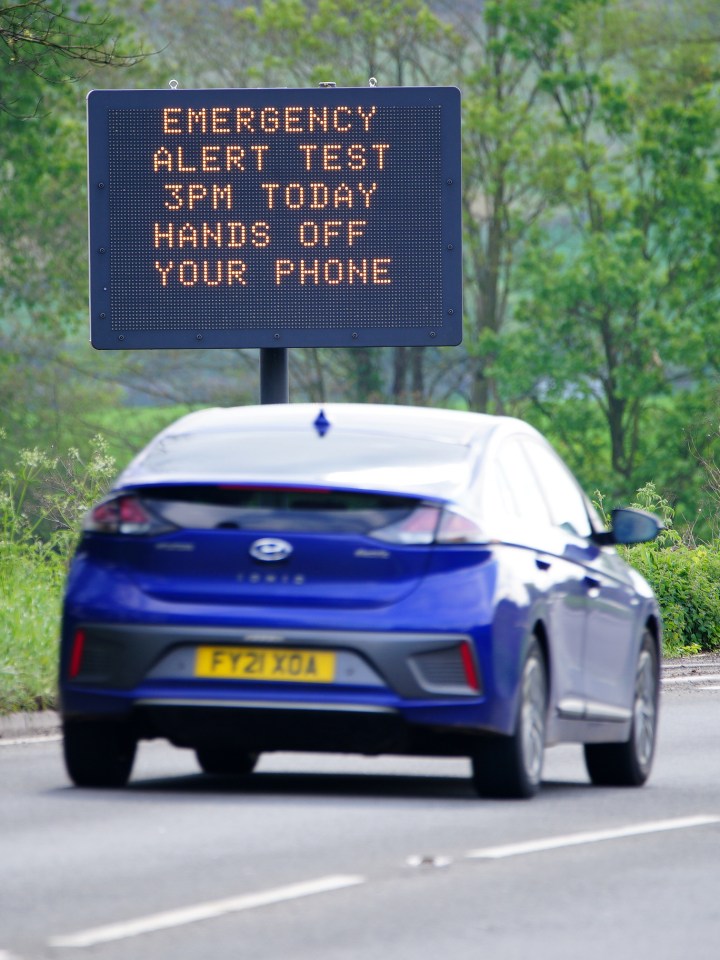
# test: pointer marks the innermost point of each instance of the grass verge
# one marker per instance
(31, 583)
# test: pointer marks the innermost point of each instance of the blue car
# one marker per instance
(357, 578)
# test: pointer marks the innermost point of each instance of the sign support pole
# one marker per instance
(274, 375)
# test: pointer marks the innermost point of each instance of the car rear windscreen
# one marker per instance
(277, 510)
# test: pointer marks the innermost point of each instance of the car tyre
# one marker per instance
(628, 764)
(98, 753)
(511, 767)
(223, 762)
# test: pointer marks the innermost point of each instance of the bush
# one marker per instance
(31, 579)
(42, 503)
(686, 580)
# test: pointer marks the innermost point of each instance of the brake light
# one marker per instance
(125, 514)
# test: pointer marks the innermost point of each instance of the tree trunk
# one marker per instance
(418, 375)
(400, 370)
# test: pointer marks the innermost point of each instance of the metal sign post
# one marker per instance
(274, 386)
(274, 219)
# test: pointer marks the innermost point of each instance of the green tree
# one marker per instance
(55, 44)
(620, 287)
(44, 48)
(514, 166)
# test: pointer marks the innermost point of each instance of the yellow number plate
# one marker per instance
(265, 663)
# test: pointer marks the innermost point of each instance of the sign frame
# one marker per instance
(432, 246)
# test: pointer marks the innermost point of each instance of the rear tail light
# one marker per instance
(417, 528)
(125, 514)
(428, 524)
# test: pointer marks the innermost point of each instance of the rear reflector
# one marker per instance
(468, 661)
(76, 654)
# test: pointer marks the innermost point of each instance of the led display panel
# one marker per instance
(275, 218)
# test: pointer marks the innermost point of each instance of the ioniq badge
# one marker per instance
(270, 549)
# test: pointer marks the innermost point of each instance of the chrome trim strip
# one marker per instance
(263, 705)
(607, 713)
(571, 708)
(574, 708)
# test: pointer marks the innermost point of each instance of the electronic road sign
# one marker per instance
(275, 217)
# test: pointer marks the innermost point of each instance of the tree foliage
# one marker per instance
(515, 162)
(619, 287)
(591, 139)
(45, 47)
(55, 43)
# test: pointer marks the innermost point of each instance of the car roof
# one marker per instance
(420, 451)
(453, 426)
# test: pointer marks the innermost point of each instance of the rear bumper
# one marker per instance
(413, 665)
(393, 685)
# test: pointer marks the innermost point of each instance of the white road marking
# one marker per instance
(202, 911)
(595, 836)
(49, 738)
(695, 678)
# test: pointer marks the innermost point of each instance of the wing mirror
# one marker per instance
(630, 526)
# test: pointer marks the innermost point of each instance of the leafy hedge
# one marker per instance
(685, 578)
(31, 583)
(687, 584)
(42, 502)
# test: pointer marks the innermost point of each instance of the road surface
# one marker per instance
(341, 858)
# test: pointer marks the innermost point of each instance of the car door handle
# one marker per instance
(593, 586)
(542, 564)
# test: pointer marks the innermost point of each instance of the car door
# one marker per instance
(555, 581)
(610, 627)
(612, 640)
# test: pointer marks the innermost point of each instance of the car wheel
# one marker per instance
(226, 763)
(511, 767)
(98, 753)
(628, 764)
